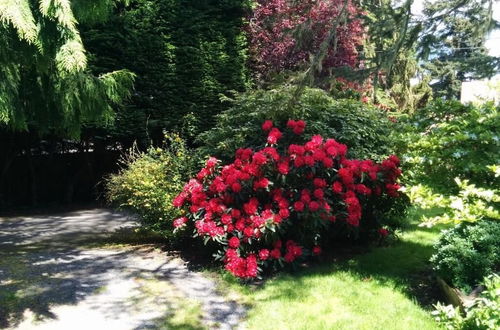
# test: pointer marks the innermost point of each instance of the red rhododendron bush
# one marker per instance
(281, 202)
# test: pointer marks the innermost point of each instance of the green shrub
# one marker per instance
(448, 140)
(467, 253)
(483, 313)
(472, 204)
(149, 181)
(288, 199)
(363, 128)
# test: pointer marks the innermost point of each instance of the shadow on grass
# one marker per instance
(403, 266)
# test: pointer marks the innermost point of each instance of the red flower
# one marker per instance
(179, 200)
(337, 187)
(299, 127)
(332, 151)
(226, 219)
(296, 126)
(309, 160)
(291, 124)
(299, 206)
(275, 254)
(392, 189)
(261, 183)
(248, 231)
(319, 183)
(267, 125)
(316, 250)
(305, 196)
(293, 251)
(236, 187)
(274, 135)
(240, 225)
(283, 167)
(180, 222)
(298, 161)
(362, 189)
(251, 207)
(284, 213)
(211, 162)
(394, 159)
(383, 232)
(346, 175)
(295, 149)
(235, 213)
(259, 158)
(264, 254)
(244, 154)
(313, 206)
(234, 242)
(328, 162)
(319, 193)
(272, 152)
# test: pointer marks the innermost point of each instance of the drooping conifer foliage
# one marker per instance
(45, 83)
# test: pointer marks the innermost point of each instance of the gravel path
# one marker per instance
(48, 281)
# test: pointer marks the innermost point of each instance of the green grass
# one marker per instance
(375, 290)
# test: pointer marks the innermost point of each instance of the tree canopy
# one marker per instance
(45, 81)
(453, 45)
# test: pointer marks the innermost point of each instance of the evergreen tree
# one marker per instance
(389, 51)
(186, 54)
(45, 82)
(453, 45)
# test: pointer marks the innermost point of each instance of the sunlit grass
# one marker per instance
(368, 291)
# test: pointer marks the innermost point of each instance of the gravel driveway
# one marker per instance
(50, 280)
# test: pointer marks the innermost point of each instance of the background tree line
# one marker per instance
(81, 81)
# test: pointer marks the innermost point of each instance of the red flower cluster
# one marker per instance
(246, 203)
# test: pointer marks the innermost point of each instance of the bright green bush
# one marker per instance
(472, 204)
(467, 253)
(149, 181)
(483, 313)
(363, 128)
(448, 140)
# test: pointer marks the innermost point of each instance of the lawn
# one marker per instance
(375, 290)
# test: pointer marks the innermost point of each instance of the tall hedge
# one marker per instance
(185, 53)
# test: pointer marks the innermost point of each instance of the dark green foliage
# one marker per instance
(446, 140)
(467, 253)
(364, 129)
(185, 55)
(149, 181)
